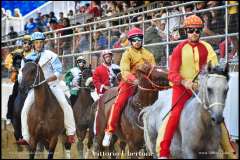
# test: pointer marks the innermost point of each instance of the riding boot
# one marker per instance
(227, 147)
(11, 100)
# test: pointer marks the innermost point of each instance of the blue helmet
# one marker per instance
(37, 36)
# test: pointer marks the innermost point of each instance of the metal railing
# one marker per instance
(167, 43)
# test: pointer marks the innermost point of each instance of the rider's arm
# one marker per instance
(96, 79)
(57, 68)
(176, 61)
(125, 68)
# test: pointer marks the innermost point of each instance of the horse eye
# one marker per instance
(209, 90)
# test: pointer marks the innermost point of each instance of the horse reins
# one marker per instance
(207, 107)
(154, 85)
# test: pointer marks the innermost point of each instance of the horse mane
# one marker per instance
(220, 70)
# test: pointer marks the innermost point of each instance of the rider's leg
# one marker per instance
(11, 100)
(124, 93)
(69, 121)
(73, 99)
(174, 118)
(227, 147)
(24, 114)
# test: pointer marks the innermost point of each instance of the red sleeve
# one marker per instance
(96, 79)
(174, 68)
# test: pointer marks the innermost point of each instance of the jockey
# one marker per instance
(187, 60)
(131, 59)
(105, 74)
(74, 76)
(13, 63)
(52, 69)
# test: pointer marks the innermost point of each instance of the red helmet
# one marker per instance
(193, 21)
(134, 32)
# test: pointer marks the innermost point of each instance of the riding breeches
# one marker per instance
(170, 123)
(69, 121)
(125, 91)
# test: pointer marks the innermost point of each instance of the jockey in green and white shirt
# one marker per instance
(75, 77)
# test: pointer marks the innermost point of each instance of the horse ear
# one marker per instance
(226, 68)
(209, 66)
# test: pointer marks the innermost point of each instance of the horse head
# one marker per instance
(213, 90)
(152, 77)
(32, 76)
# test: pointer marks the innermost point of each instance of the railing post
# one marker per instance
(226, 31)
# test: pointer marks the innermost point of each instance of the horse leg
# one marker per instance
(80, 145)
(97, 146)
(89, 144)
(112, 150)
(32, 147)
(52, 146)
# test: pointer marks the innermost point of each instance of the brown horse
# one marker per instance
(84, 113)
(151, 80)
(45, 118)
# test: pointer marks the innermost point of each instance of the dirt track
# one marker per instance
(9, 148)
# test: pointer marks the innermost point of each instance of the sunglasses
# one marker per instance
(81, 61)
(135, 39)
(26, 43)
(196, 30)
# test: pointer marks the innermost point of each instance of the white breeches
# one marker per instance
(69, 121)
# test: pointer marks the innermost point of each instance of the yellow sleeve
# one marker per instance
(125, 65)
(8, 61)
(212, 56)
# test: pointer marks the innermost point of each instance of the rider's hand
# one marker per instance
(136, 82)
(74, 83)
(188, 84)
(106, 87)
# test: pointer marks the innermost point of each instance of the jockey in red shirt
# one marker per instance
(131, 59)
(186, 61)
(106, 73)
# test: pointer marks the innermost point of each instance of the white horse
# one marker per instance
(199, 132)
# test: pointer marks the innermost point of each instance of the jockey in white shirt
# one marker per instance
(52, 68)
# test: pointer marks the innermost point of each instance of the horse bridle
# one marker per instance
(154, 85)
(35, 79)
(208, 107)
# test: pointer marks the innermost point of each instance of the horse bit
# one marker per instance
(206, 95)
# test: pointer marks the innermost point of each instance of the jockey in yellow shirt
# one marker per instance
(187, 60)
(131, 58)
(13, 63)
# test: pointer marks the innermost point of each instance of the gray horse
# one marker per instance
(198, 134)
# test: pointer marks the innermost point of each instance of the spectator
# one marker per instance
(61, 17)
(8, 13)
(82, 41)
(70, 14)
(122, 42)
(101, 41)
(17, 13)
(52, 16)
(39, 25)
(45, 19)
(152, 35)
(3, 13)
(11, 35)
(214, 23)
(30, 26)
(199, 6)
(115, 34)
(66, 43)
(39, 15)
(94, 9)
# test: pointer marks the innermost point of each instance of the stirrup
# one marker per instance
(107, 139)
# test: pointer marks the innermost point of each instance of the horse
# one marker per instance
(45, 117)
(84, 112)
(198, 134)
(151, 79)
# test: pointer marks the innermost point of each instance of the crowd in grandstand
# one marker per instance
(156, 31)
